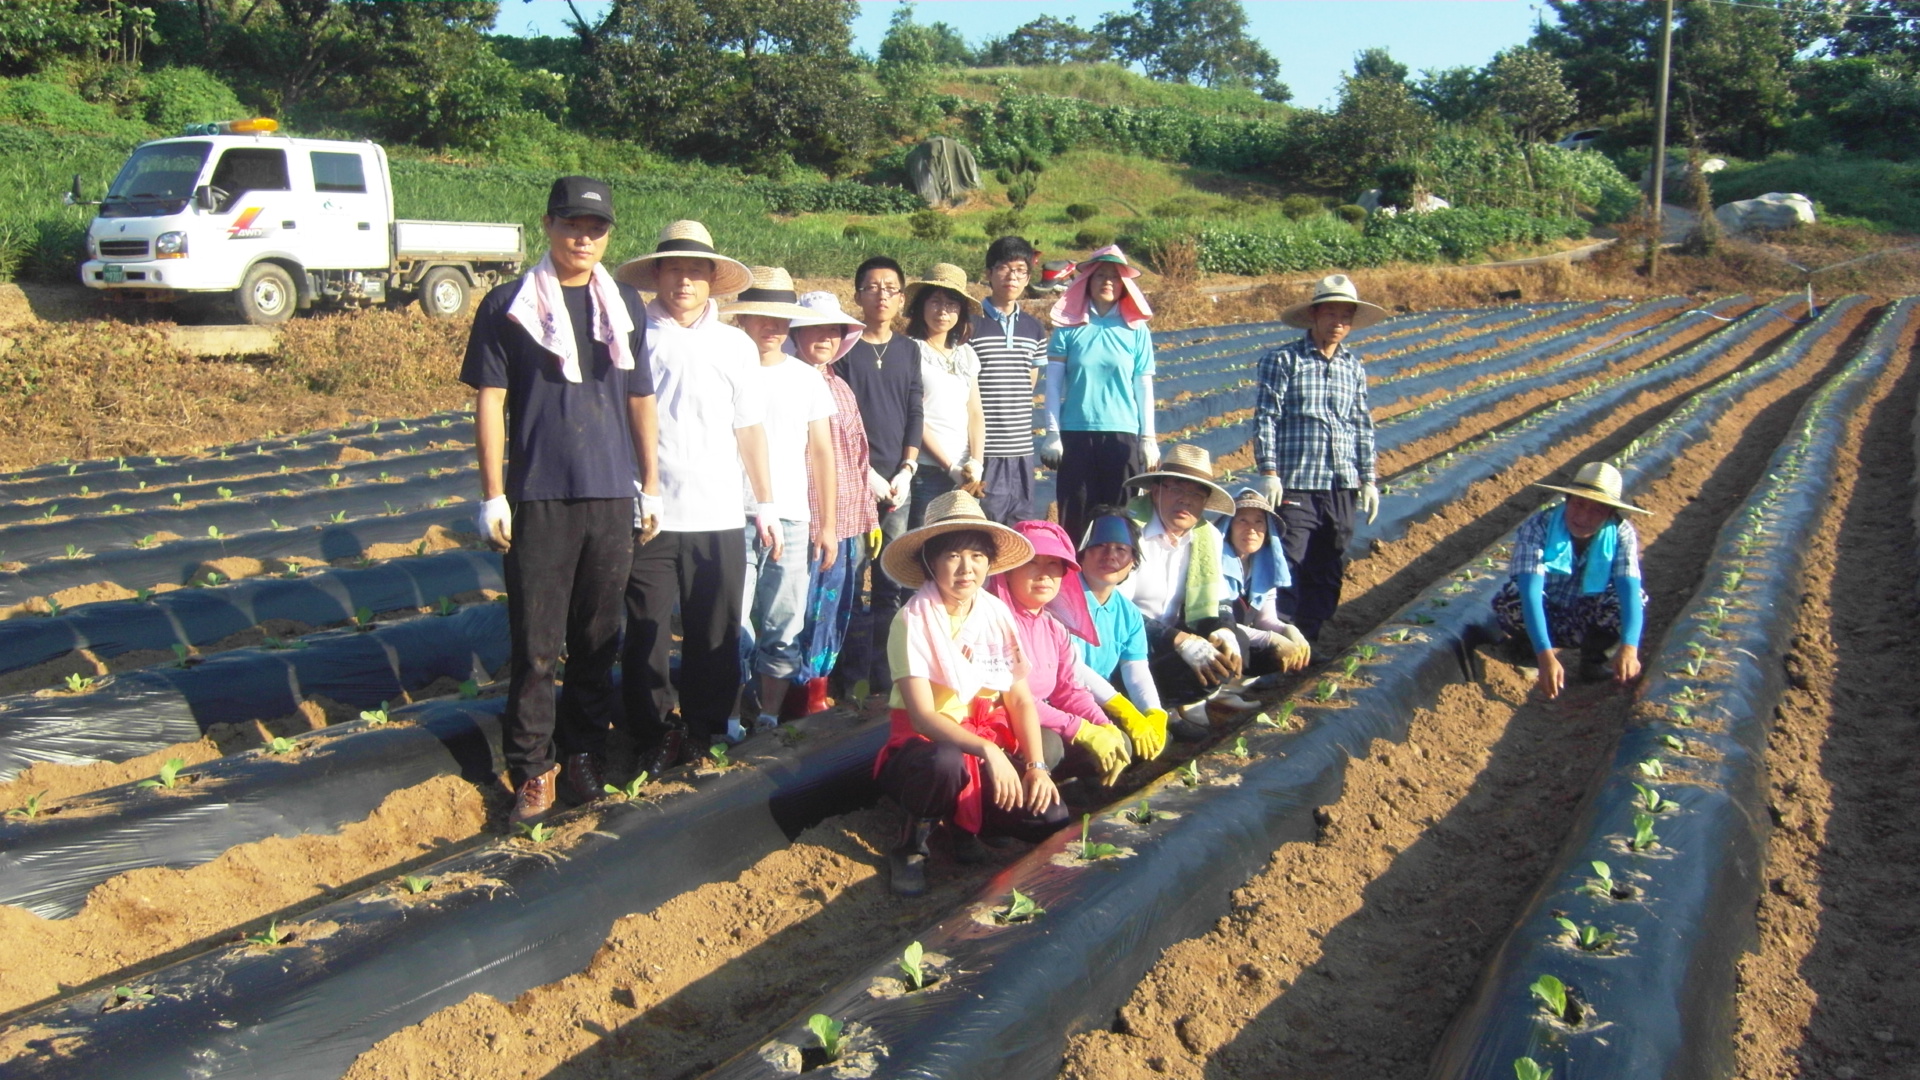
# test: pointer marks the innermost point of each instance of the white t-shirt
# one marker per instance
(796, 395)
(706, 378)
(1158, 586)
(946, 385)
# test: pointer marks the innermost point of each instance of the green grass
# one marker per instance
(1885, 193)
(1108, 84)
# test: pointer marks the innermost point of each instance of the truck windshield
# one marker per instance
(157, 179)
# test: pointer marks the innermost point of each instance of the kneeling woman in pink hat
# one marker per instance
(966, 742)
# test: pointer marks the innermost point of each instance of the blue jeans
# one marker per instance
(775, 607)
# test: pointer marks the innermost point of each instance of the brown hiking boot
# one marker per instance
(534, 798)
(580, 780)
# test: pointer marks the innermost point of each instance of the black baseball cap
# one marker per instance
(574, 196)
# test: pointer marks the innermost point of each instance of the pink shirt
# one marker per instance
(1061, 702)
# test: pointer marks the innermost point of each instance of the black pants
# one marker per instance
(925, 777)
(1177, 683)
(704, 573)
(1094, 466)
(864, 653)
(563, 577)
(1316, 527)
(1009, 483)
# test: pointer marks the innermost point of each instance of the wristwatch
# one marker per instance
(1041, 765)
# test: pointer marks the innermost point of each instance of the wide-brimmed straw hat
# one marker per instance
(943, 276)
(1334, 289)
(823, 309)
(686, 240)
(1188, 462)
(954, 511)
(1600, 482)
(771, 295)
(1249, 499)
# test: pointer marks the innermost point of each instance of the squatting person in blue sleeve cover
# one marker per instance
(1575, 583)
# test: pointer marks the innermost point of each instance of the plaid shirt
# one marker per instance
(1563, 590)
(853, 508)
(1311, 421)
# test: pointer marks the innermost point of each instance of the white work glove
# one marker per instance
(1197, 651)
(1150, 449)
(495, 519)
(767, 522)
(1051, 450)
(1293, 648)
(966, 472)
(1271, 490)
(1370, 500)
(902, 485)
(878, 487)
(1224, 640)
(646, 514)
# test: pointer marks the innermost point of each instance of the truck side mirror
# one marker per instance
(203, 197)
(73, 195)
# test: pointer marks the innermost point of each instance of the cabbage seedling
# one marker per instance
(445, 605)
(224, 492)
(630, 791)
(1674, 743)
(1552, 993)
(54, 607)
(1240, 747)
(1368, 652)
(1420, 618)
(281, 745)
(333, 480)
(718, 752)
(146, 541)
(827, 1030)
(911, 961)
(75, 551)
(469, 689)
(1653, 800)
(49, 513)
(176, 498)
(339, 517)
(127, 995)
(78, 683)
(1139, 815)
(1652, 767)
(1326, 690)
(363, 618)
(1089, 850)
(269, 937)
(538, 832)
(375, 717)
(1602, 884)
(31, 809)
(1352, 665)
(1589, 937)
(1681, 715)
(1020, 909)
(169, 775)
(1528, 1069)
(417, 884)
(1190, 773)
(1644, 838)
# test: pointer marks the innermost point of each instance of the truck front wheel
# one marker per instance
(443, 293)
(266, 296)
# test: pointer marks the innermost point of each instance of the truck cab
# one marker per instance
(274, 224)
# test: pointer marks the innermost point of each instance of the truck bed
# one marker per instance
(440, 239)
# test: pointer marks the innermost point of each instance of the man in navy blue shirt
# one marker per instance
(566, 430)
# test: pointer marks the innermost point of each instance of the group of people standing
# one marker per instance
(804, 503)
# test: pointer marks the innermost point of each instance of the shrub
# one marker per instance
(857, 231)
(1048, 125)
(1181, 206)
(930, 224)
(1004, 222)
(172, 97)
(1095, 237)
(1078, 212)
(1298, 206)
(1458, 235)
(1351, 214)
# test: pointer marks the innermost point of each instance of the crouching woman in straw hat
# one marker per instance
(965, 743)
(1257, 574)
(1575, 582)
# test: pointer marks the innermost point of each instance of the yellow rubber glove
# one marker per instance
(1108, 747)
(1147, 730)
(874, 537)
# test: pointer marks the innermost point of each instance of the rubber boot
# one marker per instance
(907, 863)
(818, 700)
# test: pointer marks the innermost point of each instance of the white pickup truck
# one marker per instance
(234, 212)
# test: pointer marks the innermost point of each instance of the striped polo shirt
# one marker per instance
(1011, 347)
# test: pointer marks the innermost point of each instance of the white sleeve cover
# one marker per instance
(1092, 683)
(1144, 388)
(1056, 388)
(1139, 682)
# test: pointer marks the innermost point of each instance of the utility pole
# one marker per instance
(1660, 142)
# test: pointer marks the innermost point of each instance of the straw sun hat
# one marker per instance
(1334, 289)
(954, 511)
(686, 240)
(943, 276)
(1599, 482)
(771, 294)
(1188, 462)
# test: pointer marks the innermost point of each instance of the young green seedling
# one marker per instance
(1644, 838)
(169, 775)
(445, 605)
(1652, 767)
(49, 513)
(1189, 773)
(224, 492)
(54, 607)
(1326, 690)
(1089, 850)
(1653, 800)
(363, 618)
(333, 480)
(630, 791)
(417, 883)
(215, 577)
(177, 497)
(789, 735)
(1240, 747)
(1422, 619)
(469, 689)
(1589, 937)
(127, 995)
(1553, 994)
(146, 541)
(78, 683)
(718, 753)
(30, 810)
(1368, 652)
(827, 1030)
(1020, 909)
(1602, 884)
(911, 961)
(339, 517)
(1528, 1069)
(214, 533)
(537, 832)
(1681, 714)
(75, 551)
(269, 937)
(1674, 743)
(1352, 665)
(375, 717)
(281, 745)
(144, 596)
(1140, 815)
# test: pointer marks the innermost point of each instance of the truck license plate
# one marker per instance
(115, 274)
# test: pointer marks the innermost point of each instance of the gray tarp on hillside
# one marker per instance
(943, 170)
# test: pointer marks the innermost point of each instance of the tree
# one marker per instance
(34, 33)
(1376, 124)
(1195, 41)
(909, 42)
(1377, 63)
(1608, 52)
(759, 82)
(1880, 28)
(1525, 88)
(1453, 95)
(1047, 40)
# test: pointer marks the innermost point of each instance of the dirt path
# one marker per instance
(1348, 957)
(1835, 989)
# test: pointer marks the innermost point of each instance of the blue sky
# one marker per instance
(1314, 40)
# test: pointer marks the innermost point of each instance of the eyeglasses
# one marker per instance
(1011, 269)
(881, 291)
